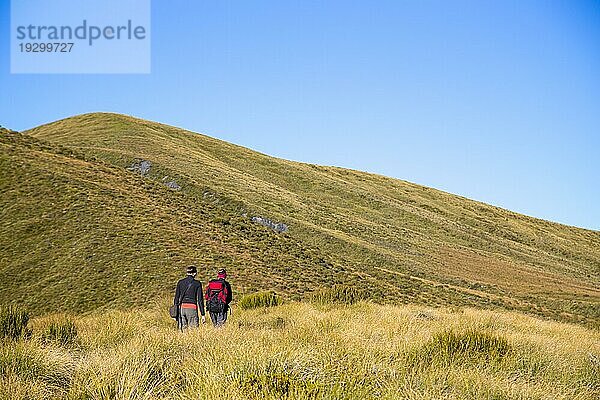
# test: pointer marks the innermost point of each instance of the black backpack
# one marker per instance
(216, 296)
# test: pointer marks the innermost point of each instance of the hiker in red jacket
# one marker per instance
(188, 296)
(218, 296)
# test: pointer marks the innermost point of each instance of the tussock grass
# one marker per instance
(338, 294)
(260, 299)
(449, 347)
(29, 363)
(363, 350)
(60, 330)
(13, 322)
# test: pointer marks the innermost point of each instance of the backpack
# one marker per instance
(216, 296)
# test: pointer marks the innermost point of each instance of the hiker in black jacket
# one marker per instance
(188, 296)
(218, 296)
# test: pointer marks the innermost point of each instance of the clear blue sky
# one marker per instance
(496, 101)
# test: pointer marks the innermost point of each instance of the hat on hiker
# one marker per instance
(191, 270)
(222, 273)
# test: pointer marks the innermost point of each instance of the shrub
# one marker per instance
(13, 323)
(260, 299)
(338, 294)
(61, 331)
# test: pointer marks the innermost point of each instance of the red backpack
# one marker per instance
(216, 296)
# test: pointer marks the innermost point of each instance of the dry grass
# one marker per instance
(303, 351)
(513, 277)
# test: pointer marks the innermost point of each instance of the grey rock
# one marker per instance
(278, 227)
(425, 316)
(170, 183)
(173, 185)
(140, 166)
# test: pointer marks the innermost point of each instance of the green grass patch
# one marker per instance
(260, 299)
(449, 346)
(13, 323)
(338, 295)
(61, 331)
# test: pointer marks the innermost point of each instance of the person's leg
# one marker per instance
(213, 318)
(193, 320)
(184, 318)
(180, 320)
(221, 318)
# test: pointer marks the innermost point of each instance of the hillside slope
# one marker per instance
(402, 241)
(77, 234)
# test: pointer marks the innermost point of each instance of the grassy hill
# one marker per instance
(81, 228)
(78, 234)
(303, 351)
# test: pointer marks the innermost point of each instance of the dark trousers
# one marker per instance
(218, 319)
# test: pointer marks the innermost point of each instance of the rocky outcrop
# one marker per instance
(278, 227)
(140, 166)
(172, 185)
